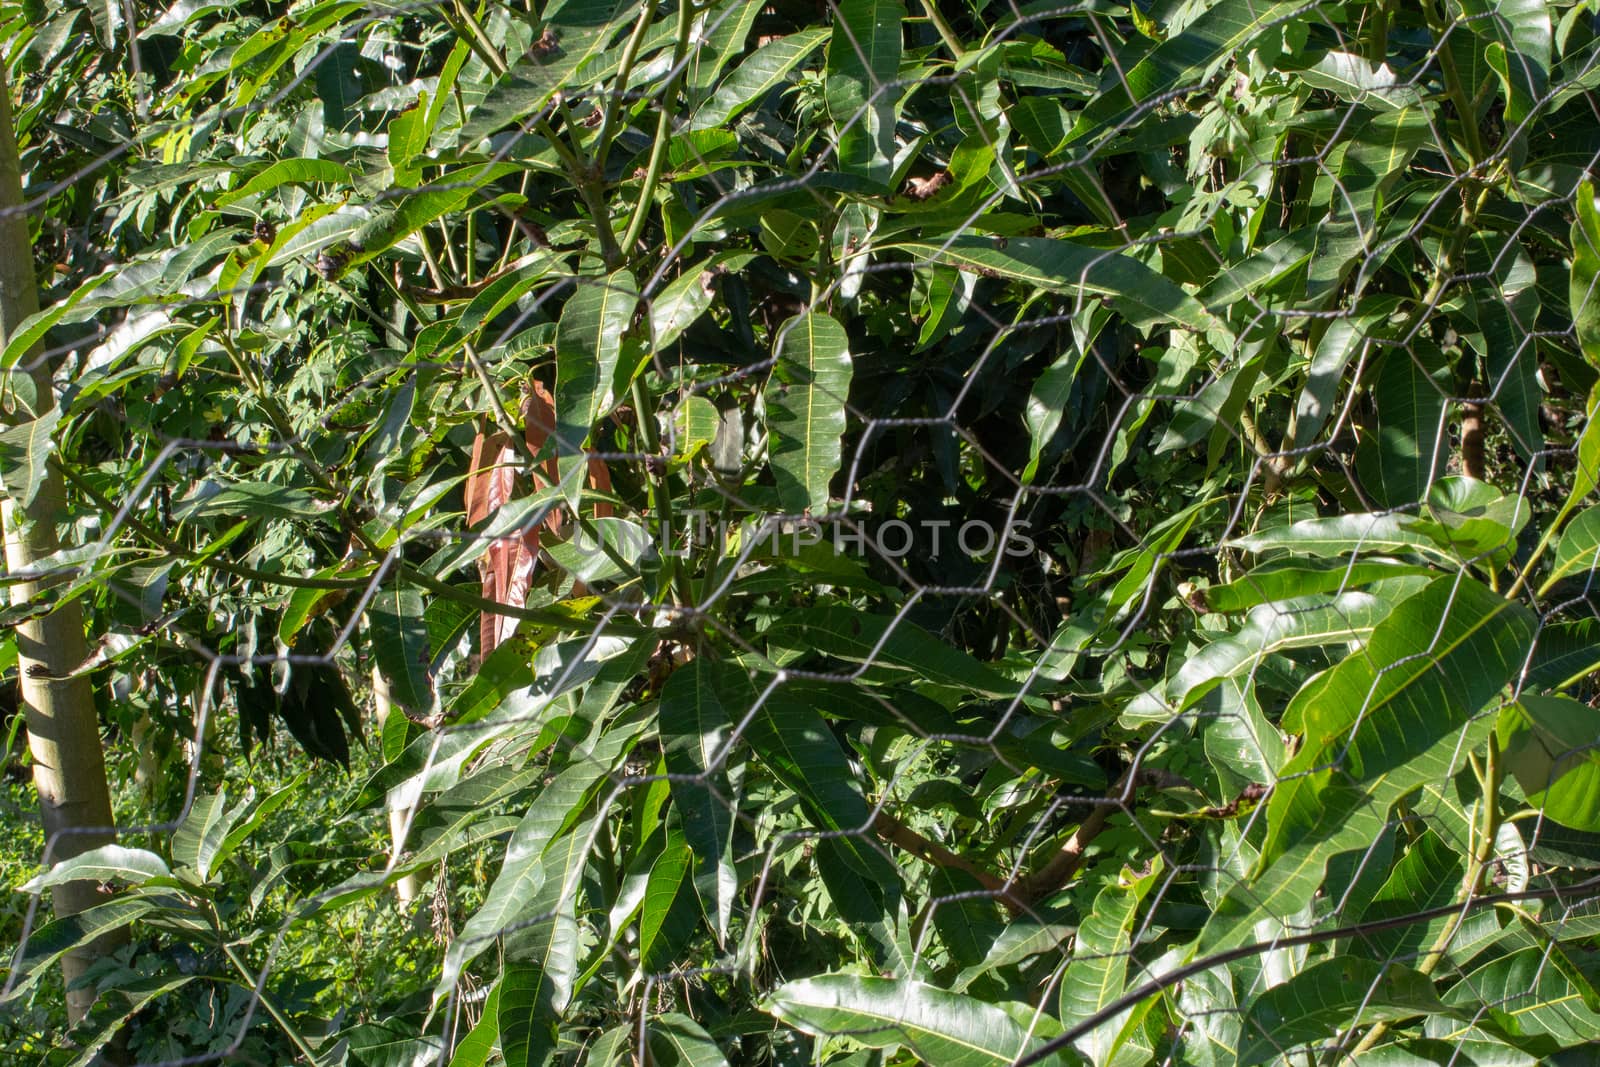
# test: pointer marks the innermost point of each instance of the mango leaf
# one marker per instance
(200, 835)
(1427, 876)
(1047, 403)
(108, 863)
(1312, 1006)
(805, 403)
(949, 1029)
(111, 1012)
(678, 1041)
(1395, 715)
(1578, 550)
(1146, 298)
(1281, 579)
(1298, 622)
(1518, 47)
(1182, 61)
(1342, 535)
(48, 943)
(765, 69)
(669, 911)
(288, 172)
(579, 31)
(475, 1049)
(881, 642)
(25, 451)
(588, 346)
(1584, 289)
(794, 741)
(1531, 993)
(400, 646)
(686, 298)
(1552, 746)
(1565, 653)
(536, 984)
(1344, 340)
(696, 728)
(1402, 455)
(521, 889)
(1098, 970)
(863, 61)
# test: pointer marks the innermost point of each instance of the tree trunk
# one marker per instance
(63, 727)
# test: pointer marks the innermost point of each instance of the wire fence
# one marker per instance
(1088, 340)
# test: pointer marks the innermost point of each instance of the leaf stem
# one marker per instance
(630, 53)
(658, 150)
(1452, 83)
(258, 987)
(946, 34)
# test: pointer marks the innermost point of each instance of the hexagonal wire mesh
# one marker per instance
(1207, 347)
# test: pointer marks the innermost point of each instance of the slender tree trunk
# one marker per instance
(63, 727)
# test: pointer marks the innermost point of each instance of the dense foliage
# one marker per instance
(986, 509)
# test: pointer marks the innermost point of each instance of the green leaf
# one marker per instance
(579, 30)
(688, 296)
(1299, 622)
(1565, 653)
(1531, 993)
(288, 172)
(1578, 550)
(1427, 876)
(678, 1041)
(588, 346)
(1584, 289)
(1341, 535)
(200, 835)
(50, 942)
(948, 1029)
(256, 500)
(1315, 1004)
(111, 1012)
(1550, 745)
(542, 958)
(696, 730)
(1518, 49)
(400, 646)
(794, 741)
(1384, 721)
(522, 885)
(863, 62)
(728, 25)
(1345, 340)
(805, 403)
(666, 892)
(25, 451)
(1183, 61)
(895, 644)
(1407, 449)
(1281, 579)
(239, 832)
(1047, 403)
(1355, 79)
(1146, 298)
(765, 69)
(1098, 970)
(108, 863)
(475, 1049)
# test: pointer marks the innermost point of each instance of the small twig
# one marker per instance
(898, 833)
